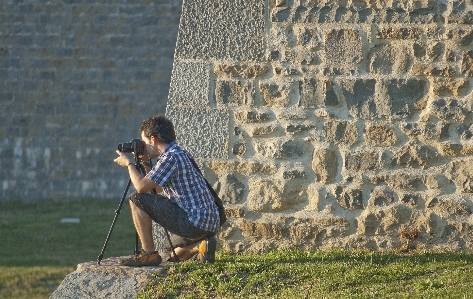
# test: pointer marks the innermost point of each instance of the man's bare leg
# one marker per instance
(186, 252)
(143, 226)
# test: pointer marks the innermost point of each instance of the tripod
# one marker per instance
(141, 169)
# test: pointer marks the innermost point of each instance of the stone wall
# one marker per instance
(77, 77)
(331, 123)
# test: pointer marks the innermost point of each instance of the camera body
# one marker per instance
(135, 146)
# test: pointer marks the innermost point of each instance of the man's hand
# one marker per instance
(145, 156)
(122, 159)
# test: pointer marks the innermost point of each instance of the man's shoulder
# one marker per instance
(176, 153)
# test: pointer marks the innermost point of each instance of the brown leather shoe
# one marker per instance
(142, 259)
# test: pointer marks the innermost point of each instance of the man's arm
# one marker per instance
(141, 183)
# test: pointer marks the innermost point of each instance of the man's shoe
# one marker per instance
(207, 250)
(142, 259)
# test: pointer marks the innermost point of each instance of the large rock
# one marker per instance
(105, 281)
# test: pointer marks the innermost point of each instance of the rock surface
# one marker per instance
(108, 280)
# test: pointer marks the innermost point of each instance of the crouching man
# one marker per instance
(187, 208)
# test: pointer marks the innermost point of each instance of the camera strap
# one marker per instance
(218, 201)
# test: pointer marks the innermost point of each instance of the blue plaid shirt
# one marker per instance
(186, 187)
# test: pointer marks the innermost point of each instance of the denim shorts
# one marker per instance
(171, 217)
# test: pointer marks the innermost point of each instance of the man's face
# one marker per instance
(151, 146)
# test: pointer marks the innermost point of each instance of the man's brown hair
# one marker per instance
(160, 127)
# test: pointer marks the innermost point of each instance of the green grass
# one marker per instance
(37, 251)
(335, 274)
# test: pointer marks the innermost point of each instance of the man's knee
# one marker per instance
(133, 197)
(136, 199)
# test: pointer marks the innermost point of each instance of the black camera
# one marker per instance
(135, 146)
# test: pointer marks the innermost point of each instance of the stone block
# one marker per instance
(450, 207)
(401, 95)
(390, 60)
(444, 87)
(230, 189)
(435, 131)
(381, 196)
(203, 132)
(325, 165)
(294, 128)
(223, 31)
(260, 229)
(461, 173)
(360, 96)
(415, 154)
(341, 132)
(405, 181)
(246, 71)
(449, 109)
(262, 130)
(350, 198)
(412, 200)
(315, 195)
(317, 93)
(304, 58)
(309, 38)
(388, 98)
(280, 14)
(195, 92)
(450, 149)
(273, 196)
(247, 168)
(278, 94)
(368, 224)
(464, 131)
(281, 148)
(420, 69)
(363, 161)
(462, 36)
(435, 51)
(399, 33)
(234, 213)
(302, 232)
(378, 136)
(250, 116)
(239, 148)
(228, 93)
(467, 63)
(462, 12)
(343, 47)
(292, 113)
(293, 172)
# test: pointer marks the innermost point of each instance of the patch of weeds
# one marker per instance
(317, 274)
(429, 284)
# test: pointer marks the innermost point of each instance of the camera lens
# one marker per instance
(126, 147)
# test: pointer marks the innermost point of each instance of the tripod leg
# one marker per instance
(117, 212)
(137, 238)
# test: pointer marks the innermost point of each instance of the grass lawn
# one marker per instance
(38, 251)
(335, 274)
